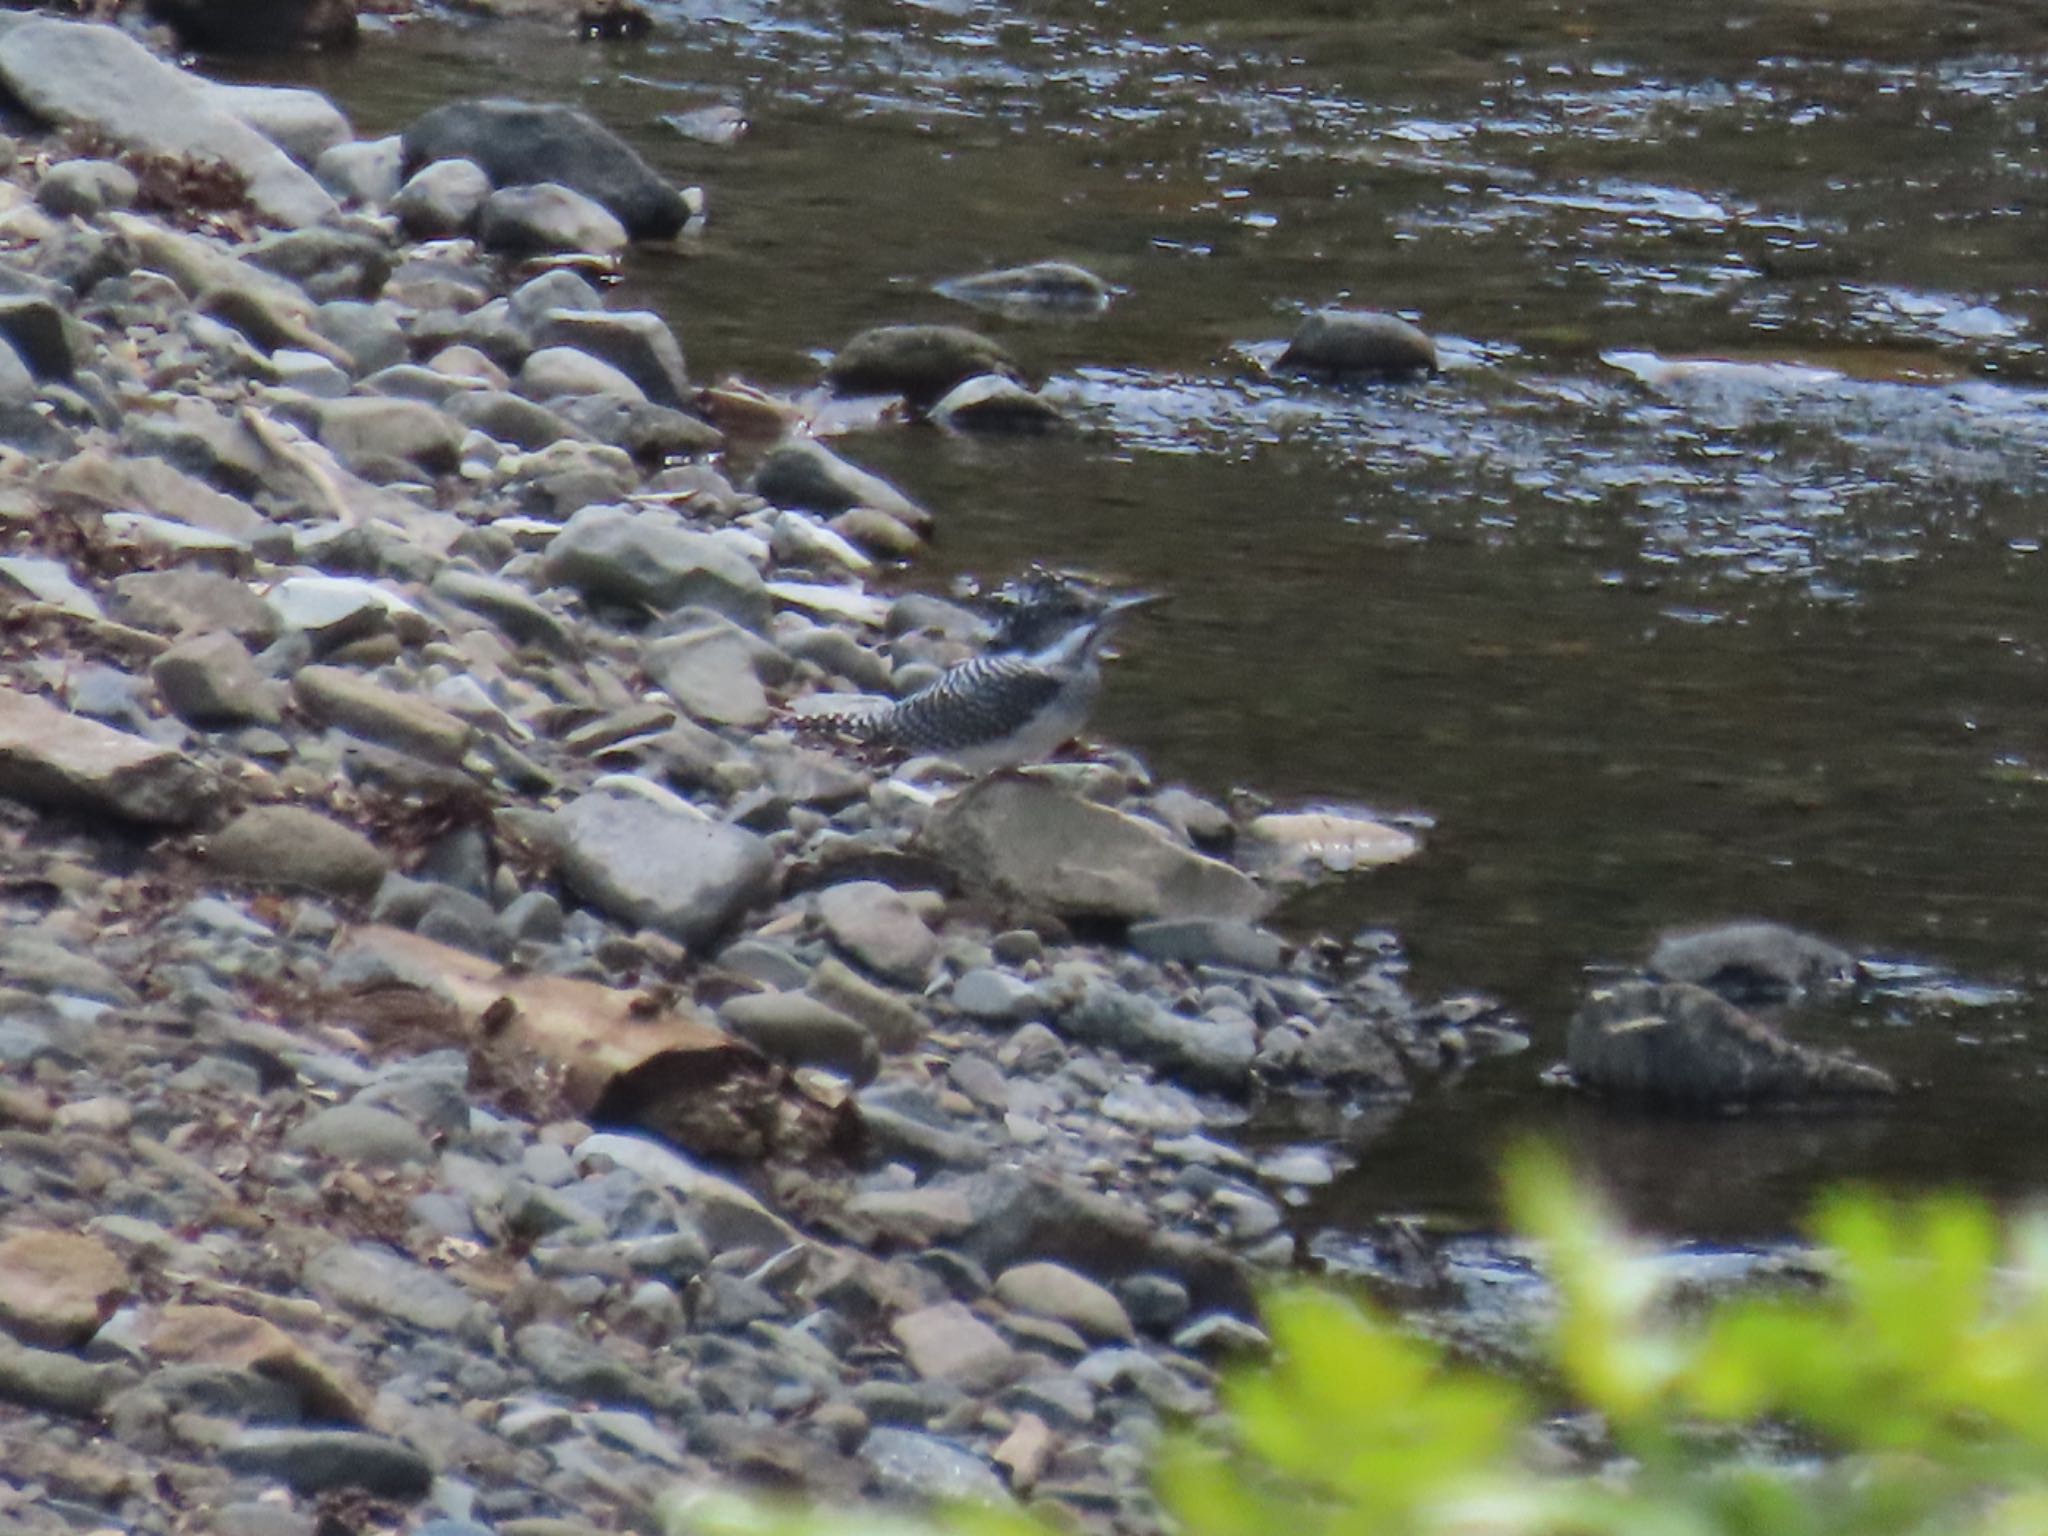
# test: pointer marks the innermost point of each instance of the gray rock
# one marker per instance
(373, 1280)
(84, 188)
(75, 75)
(41, 335)
(654, 558)
(1218, 1336)
(1680, 1044)
(285, 845)
(638, 343)
(364, 173)
(713, 669)
(209, 680)
(1154, 1303)
(1209, 941)
(304, 124)
(314, 1461)
(366, 427)
(518, 143)
(662, 868)
(800, 1030)
(652, 434)
(875, 926)
(991, 403)
(362, 1133)
(1207, 1051)
(57, 1382)
(63, 762)
(948, 1343)
(369, 333)
(506, 604)
(920, 362)
(1127, 1369)
(996, 996)
(1359, 342)
(546, 218)
(404, 721)
(1751, 963)
(1053, 1290)
(890, 1018)
(810, 477)
(174, 602)
(1042, 288)
(575, 1367)
(1027, 839)
(508, 418)
(441, 199)
(563, 373)
(909, 1466)
(725, 1213)
(538, 297)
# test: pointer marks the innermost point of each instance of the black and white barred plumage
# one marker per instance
(996, 710)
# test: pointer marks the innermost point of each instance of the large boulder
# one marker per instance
(72, 74)
(1029, 840)
(1674, 1043)
(519, 143)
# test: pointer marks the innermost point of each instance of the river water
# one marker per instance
(1706, 581)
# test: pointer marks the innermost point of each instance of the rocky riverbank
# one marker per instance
(466, 1063)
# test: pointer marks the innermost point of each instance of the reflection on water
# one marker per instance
(1704, 581)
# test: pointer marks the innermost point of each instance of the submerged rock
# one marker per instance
(1359, 342)
(988, 402)
(1750, 963)
(1043, 287)
(1679, 1044)
(919, 362)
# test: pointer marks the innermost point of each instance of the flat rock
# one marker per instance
(1210, 941)
(77, 75)
(211, 680)
(727, 1215)
(336, 696)
(222, 1336)
(1034, 843)
(1053, 1290)
(362, 427)
(872, 924)
(1303, 845)
(1359, 342)
(654, 558)
(800, 1030)
(949, 1343)
(547, 218)
(60, 761)
(709, 668)
(518, 143)
(286, 845)
(380, 1283)
(661, 868)
(920, 362)
(362, 1133)
(56, 1288)
(1750, 963)
(1680, 1044)
(315, 1461)
(177, 601)
(809, 477)
(638, 343)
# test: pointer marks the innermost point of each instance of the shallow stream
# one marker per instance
(1705, 581)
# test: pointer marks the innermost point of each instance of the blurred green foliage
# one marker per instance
(1906, 1396)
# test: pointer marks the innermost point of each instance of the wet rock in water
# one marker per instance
(919, 362)
(441, 199)
(56, 1288)
(1301, 845)
(313, 1461)
(1033, 842)
(545, 218)
(1359, 342)
(1043, 287)
(1752, 963)
(284, 845)
(63, 762)
(654, 558)
(78, 75)
(1680, 1044)
(991, 403)
(809, 477)
(661, 867)
(258, 26)
(519, 143)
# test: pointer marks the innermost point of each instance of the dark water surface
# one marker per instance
(1654, 640)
